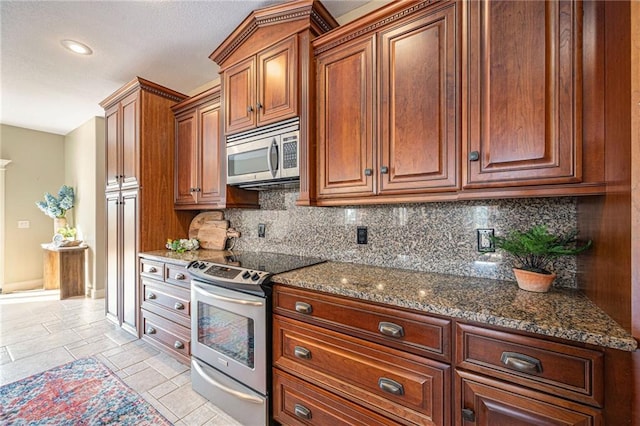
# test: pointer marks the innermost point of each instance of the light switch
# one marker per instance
(23, 224)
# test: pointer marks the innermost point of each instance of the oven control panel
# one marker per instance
(214, 272)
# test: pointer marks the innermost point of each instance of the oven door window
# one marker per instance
(227, 333)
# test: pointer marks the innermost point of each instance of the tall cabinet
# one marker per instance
(138, 188)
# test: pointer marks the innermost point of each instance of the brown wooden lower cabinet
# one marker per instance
(482, 401)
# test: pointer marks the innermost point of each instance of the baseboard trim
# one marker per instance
(22, 286)
(97, 294)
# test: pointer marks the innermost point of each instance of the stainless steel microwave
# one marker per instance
(265, 157)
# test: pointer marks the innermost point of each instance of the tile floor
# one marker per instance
(38, 332)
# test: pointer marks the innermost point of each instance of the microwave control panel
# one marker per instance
(290, 152)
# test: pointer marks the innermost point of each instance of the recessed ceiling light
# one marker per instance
(77, 47)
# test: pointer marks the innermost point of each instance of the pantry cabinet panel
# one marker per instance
(418, 104)
(522, 68)
(130, 146)
(129, 225)
(240, 96)
(112, 165)
(345, 122)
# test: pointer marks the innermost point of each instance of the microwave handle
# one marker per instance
(273, 168)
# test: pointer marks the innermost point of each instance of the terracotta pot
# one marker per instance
(533, 281)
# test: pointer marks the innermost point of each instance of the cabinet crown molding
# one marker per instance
(210, 95)
(311, 10)
(140, 83)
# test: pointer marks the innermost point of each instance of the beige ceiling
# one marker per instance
(45, 87)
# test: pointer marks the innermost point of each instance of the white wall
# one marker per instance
(84, 171)
(37, 165)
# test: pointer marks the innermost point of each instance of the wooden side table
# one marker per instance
(64, 269)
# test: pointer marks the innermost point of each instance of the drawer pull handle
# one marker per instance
(178, 344)
(390, 386)
(151, 330)
(153, 269)
(302, 412)
(303, 308)
(151, 296)
(390, 329)
(302, 353)
(520, 362)
(179, 306)
(180, 276)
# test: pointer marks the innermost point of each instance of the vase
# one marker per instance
(533, 281)
(59, 222)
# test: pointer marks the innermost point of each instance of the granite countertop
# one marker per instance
(562, 313)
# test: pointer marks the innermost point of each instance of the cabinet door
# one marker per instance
(487, 404)
(113, 148)
(346, 120)
(186, 159)
(278, 82)
(418, 146)
(240, 96)
(211, 184)
(130, 139)
(522, 116)
(129, 227)
(112, 294)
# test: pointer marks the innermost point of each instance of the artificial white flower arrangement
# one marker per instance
(183, 245)
(57, 207)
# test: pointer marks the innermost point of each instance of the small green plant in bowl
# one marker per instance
(535, 250)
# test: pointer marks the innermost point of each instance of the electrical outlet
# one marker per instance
(261, 230)
(23, 224)
(485, 241)
(362, 234)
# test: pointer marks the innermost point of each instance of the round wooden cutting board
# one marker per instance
(210, 229)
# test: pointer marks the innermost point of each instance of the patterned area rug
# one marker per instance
(82, 392)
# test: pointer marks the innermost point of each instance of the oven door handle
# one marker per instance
(250, 398)
(206, 293)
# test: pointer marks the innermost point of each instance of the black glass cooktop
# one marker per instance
(273, 263)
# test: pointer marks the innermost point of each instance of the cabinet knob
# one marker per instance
(249, 108)
(368, 172)
(180, 276)
(302, 411)
(384, 170)
(521, 362)
(474, 156)
(303, 308)
(390, 386)
(259, 105)
(192, 190)
(151, 330)
(151, 296)
(178, 344)
(302, 353)
(178, 306)
(153, 269)
(468, 415)
(390, 329)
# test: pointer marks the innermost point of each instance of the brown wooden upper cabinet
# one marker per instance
(267, 73)
(122, 140)
(522, 107)
(200, 173)
(262, 89)
(387, 105)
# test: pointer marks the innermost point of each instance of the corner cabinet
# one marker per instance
(522, 110)
(139, 182)
(267, 75)
(200, 173)
(387, 105)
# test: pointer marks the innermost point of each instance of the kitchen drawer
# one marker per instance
(178, 275)
(296, 402)
(166, 335)
(406, 387)
(408, 331)
(167, 300)
(484, 401)
(152, 268)
(568, 371)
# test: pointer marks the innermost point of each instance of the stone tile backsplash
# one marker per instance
(432, 237)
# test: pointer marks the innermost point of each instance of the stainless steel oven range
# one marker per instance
(231, 330)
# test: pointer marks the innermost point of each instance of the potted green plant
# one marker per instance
(535, 251)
